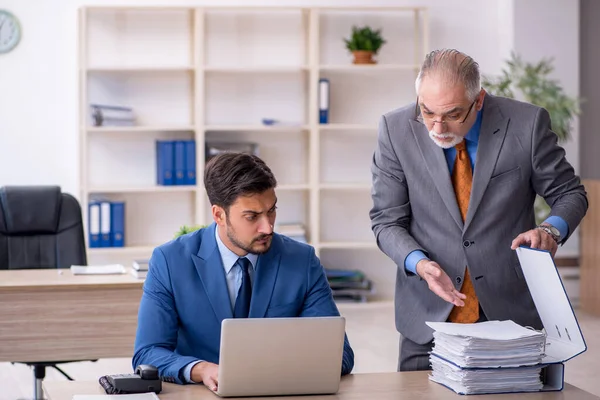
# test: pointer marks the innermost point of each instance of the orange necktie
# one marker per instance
(462, 178)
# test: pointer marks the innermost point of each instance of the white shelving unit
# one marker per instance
(213, 74)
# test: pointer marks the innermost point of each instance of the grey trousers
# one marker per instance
(415, 357)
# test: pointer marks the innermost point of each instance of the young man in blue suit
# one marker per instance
(235, 268)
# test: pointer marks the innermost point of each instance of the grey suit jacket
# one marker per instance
(414, 207)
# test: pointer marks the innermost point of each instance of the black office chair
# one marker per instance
(40, 227)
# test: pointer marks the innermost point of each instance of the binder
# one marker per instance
(179, 147)
(164, 162)
(190, 163)
(105, 230)
(564, 339)
(94, 224)
(323, 101)
(117, 223)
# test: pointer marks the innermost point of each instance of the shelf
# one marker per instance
(348, 245)
(347, 127)
(345, 186)
(256, 128)
(256, 69)
(369, 67)
(142, 189)
(120, 250)
(134, 129)
(149, 68)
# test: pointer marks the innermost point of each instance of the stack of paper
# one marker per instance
(109, 269)
(487, 357)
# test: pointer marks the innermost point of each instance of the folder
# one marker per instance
(165, 162)
(94, 224)
(323, 101)
(563, 337)
(190, 163)
(105, 229)
(117, 223)
(179, 147)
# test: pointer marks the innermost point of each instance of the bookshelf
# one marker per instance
(213, 74)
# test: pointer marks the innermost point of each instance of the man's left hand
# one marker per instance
(536, 239)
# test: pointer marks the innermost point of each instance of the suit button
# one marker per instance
(458, 279)
(466, 243)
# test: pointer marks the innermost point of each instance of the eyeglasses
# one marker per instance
(422, 119)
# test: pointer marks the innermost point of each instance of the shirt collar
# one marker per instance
(473, 134)
(229, 258)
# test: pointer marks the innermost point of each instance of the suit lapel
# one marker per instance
(264, 279)
(435, 161)
(210, 269)
(491, 137)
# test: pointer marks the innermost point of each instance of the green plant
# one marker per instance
(187, 229)
(365, 39)
(535, 86)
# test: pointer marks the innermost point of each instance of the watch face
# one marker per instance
(554, 230)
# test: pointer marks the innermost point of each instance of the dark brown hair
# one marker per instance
(230, 175)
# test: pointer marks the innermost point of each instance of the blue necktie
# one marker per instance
(242, 302)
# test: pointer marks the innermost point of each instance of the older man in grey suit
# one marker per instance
(455, 177)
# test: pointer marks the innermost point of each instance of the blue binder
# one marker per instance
(190, 162)
(179, 162)
(105, 226)
(165, 162)
(323, 101)
(117, 223)
(94, 224)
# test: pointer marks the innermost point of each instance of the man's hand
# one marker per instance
(536, 239)
(439, 282)
(207, 373)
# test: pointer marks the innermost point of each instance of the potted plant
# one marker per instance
(531, 82)
(364, 43)
(187, 229)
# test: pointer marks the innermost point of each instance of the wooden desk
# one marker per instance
(50, 316)
(381, 386)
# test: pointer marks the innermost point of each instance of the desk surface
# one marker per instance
(383, 386)
(32, 279)
(50, 314)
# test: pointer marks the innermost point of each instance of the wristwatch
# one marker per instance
(552, 231)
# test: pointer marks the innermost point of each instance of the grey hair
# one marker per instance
(454, 66)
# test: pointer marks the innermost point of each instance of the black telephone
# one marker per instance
(145, 379)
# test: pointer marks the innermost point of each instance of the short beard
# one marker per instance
(246, 247)
(456, 139)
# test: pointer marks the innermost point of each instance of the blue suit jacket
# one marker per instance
(185, 299)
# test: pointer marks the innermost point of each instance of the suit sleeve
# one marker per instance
(319, 303)
(156, 336)
(391, 213)
(554, 178)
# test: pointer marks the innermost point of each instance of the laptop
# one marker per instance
(280, 356)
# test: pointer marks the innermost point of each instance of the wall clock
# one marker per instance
(10, 31)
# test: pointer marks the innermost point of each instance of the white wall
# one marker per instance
(38, 80)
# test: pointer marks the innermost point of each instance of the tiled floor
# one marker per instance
(371, 332)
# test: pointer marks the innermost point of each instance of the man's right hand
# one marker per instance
(439, 282)
(207, 373)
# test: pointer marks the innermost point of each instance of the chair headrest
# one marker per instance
(30, 209)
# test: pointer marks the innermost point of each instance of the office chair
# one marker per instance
(40, 227)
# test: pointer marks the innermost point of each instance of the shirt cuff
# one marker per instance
(559, 224)
(187, 372)
(410, 264)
